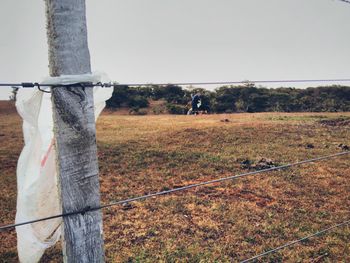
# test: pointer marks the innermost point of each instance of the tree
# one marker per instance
(242, 98)
(138, 102)
(228, 99)
(119, 97)
(75, 132)
(174, 94)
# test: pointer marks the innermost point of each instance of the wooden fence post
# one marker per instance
(75, 132)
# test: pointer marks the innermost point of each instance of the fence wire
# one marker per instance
(295, 242)
(121, 202)
(116, 84)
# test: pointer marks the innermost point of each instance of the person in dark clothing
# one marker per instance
(197, 107)
(196, 99)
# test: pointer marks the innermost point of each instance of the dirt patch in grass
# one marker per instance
(336, 122)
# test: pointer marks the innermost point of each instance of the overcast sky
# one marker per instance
(188, 40)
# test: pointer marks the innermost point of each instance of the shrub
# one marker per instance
(138, 101)
(138, 111)
(176, 109)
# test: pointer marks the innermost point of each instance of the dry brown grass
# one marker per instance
(219, 223)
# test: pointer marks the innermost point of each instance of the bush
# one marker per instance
(119, 98)
(138, 111)
(176, 109)
(138, 101)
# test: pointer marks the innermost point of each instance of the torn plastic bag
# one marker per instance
(37, 189)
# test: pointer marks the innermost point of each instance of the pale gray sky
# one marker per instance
(188, 40)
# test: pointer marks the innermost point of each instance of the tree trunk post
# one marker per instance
(75, 132)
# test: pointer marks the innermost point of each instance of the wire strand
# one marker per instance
(296, 242)
(115, 84)
(237, 82)
(345, 1)
(89, 209)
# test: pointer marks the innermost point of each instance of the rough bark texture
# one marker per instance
(75, 131)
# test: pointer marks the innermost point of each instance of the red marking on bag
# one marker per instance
(43, 161)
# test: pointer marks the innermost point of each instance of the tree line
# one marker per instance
(230, 99)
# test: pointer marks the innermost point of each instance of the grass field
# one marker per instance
(225, 222)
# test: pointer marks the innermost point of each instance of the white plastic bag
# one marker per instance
(37, 193)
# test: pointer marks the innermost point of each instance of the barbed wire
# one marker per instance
(295, 242)
(121, 202)
(116, 84)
